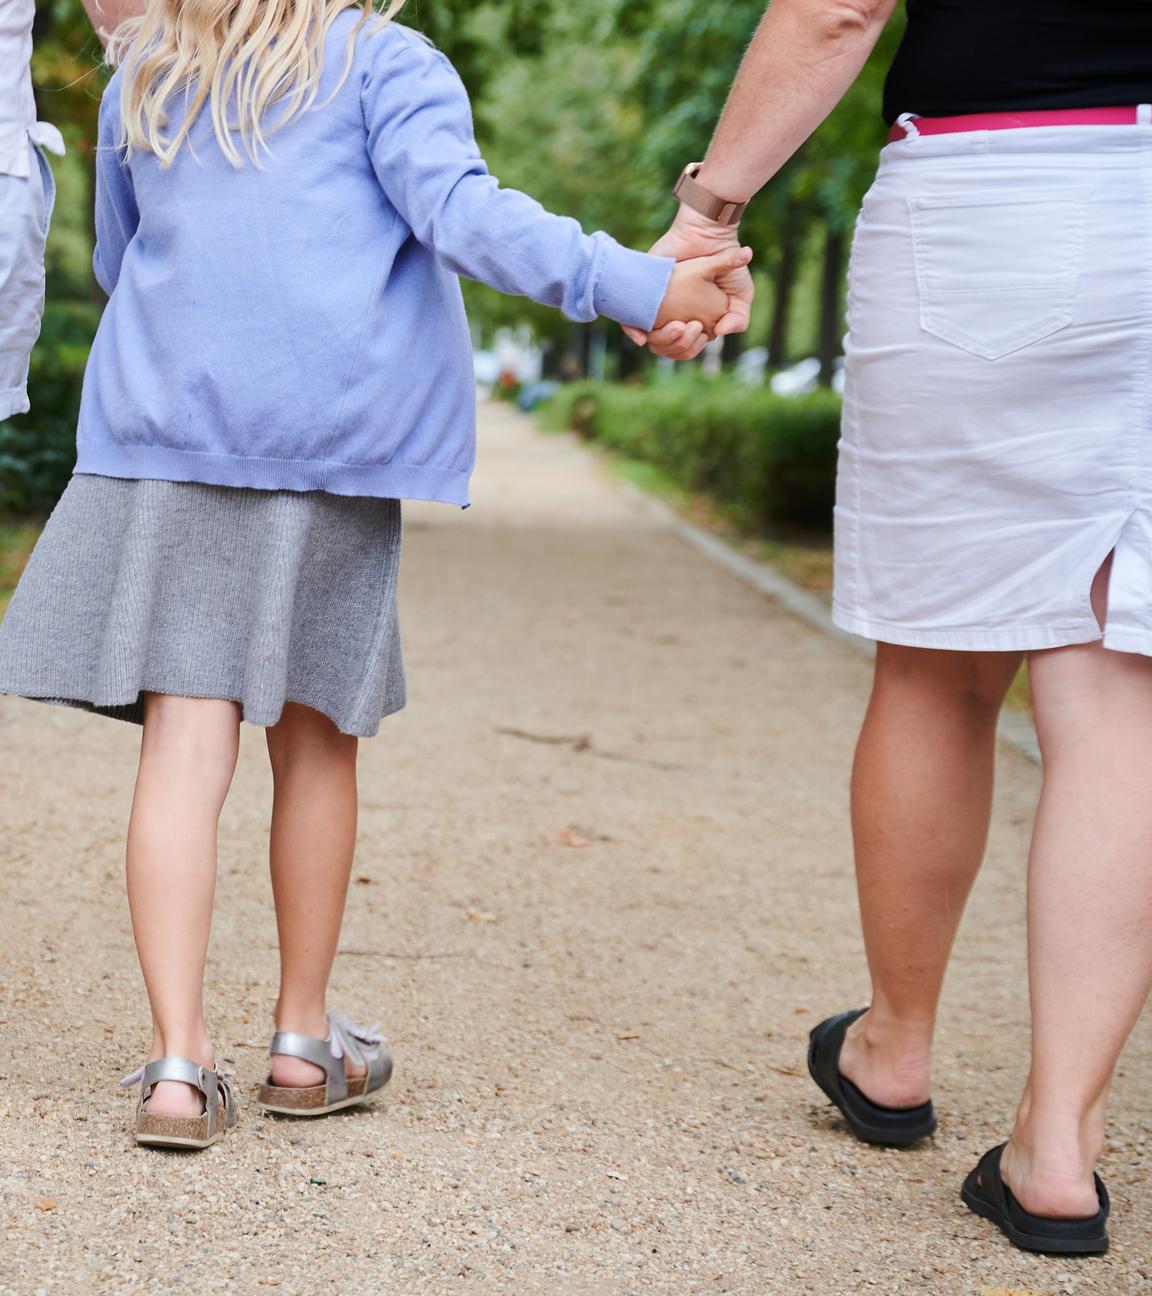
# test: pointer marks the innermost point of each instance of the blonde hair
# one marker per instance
(237, 56)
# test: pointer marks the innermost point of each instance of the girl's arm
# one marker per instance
(424, 151)
(116, 213)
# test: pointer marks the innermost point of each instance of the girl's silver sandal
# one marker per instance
(219, 1115)
(362, 1047)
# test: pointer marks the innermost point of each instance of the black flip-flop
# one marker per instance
(871, 1123)
(986, 1194)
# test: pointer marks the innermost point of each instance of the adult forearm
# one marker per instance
(106, 15)
(803, 58)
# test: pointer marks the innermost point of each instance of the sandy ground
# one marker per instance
(604, 890)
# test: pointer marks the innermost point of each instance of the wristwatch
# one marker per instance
(693, 194)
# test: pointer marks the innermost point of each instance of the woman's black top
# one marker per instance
(969, 56)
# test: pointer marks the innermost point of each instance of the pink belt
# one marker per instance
(909, 126)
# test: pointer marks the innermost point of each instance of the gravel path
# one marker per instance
(604, 890)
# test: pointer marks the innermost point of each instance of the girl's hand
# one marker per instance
(693, 235)
(699, 290)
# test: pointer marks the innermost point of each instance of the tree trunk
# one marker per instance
(572, 358)
(787, 268)
(629, 357)
(831, 308)
(735, 344)
(551, 355)
(585, 352)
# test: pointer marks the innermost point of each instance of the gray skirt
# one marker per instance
(259, 597)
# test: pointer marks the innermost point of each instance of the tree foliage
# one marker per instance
(598, 112)
(68, 71)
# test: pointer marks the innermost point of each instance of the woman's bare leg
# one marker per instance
(187, 759)
(1090, 913)
(921, 802)
(313, 842)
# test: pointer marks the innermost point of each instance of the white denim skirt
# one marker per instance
(997, 441)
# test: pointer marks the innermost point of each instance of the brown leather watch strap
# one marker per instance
(693, 194)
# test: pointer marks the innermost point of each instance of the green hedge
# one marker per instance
(769, 458)
(38, 449)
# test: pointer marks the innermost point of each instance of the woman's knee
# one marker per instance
(978, 681)
(1089, 687)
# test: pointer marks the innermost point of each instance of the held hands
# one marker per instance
(683, 337)
(697, 293)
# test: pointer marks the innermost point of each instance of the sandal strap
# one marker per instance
(319, 1053)
(171, 1068)
(176, 1068)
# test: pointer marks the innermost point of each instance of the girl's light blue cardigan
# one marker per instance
(300, 326)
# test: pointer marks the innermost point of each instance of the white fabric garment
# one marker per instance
(25, 213)
(26, 195)
(997, 441)
(18, 122)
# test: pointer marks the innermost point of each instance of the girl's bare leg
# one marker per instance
(921, 802)
(187, 759)
(1090, 913)
(313, 842)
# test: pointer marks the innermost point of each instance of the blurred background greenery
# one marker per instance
(593, 109)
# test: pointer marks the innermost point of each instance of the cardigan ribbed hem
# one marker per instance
(381, 481)
(632, 286)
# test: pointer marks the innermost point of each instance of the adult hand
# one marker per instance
(693, 235)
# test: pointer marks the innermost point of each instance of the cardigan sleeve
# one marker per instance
(117, 216)
(424, 152)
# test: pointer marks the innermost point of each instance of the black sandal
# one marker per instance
(986, 1194)
(871, 1123)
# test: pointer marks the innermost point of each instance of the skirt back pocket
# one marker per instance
(998, 270)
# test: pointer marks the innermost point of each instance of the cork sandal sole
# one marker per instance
(310, 1101)
(176, 1131)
